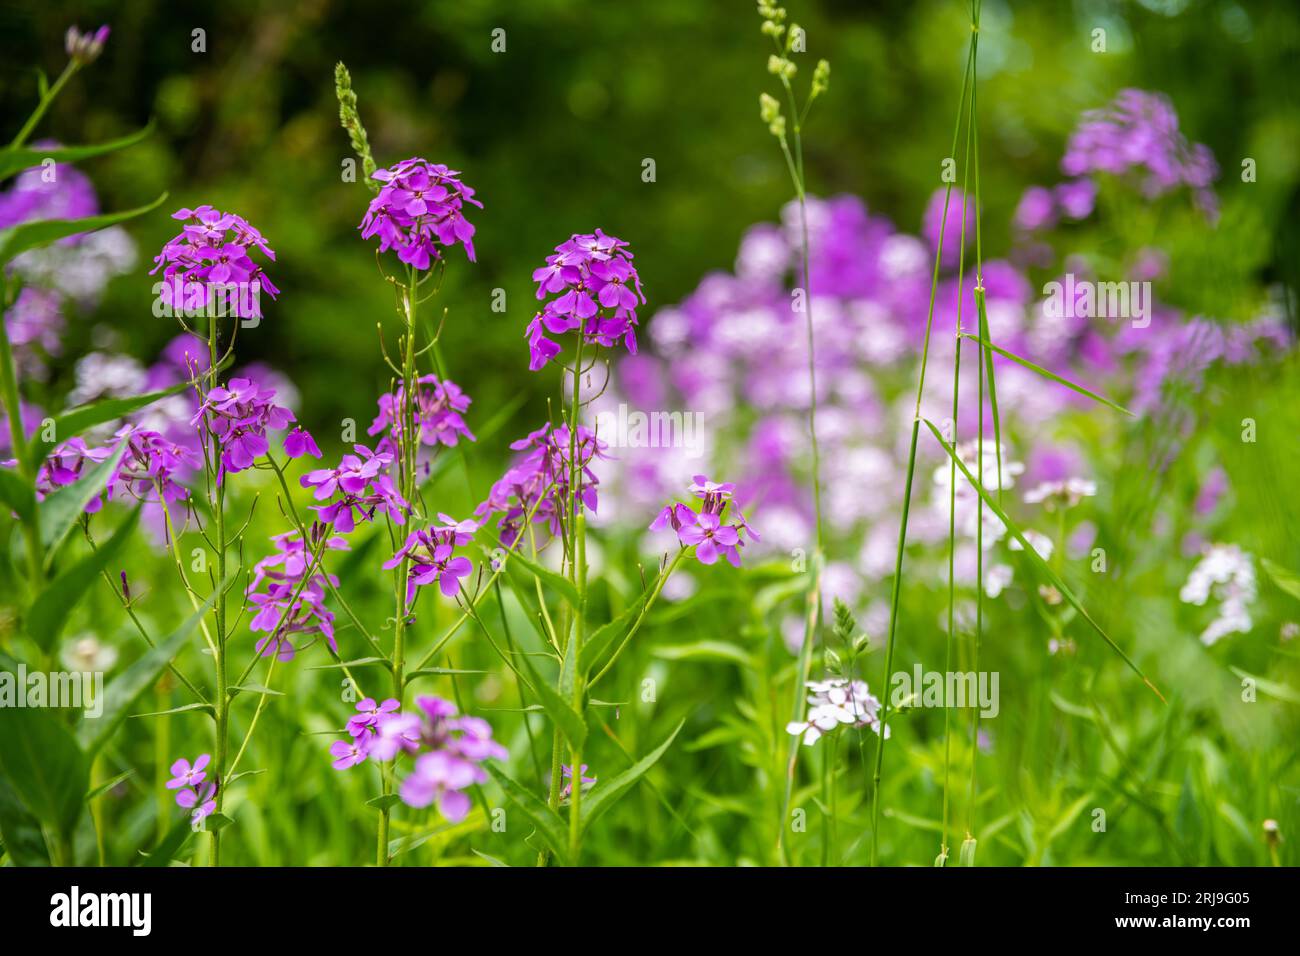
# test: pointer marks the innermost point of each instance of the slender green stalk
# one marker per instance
(221, 702)
(18, 442)
(967, 79)
(50, 95)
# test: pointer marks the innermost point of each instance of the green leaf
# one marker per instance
(605, 636)
(547, 821)
(28, 235)
(1045, 568)
(125, 692)
(1273, 689)
(17, 494)
(571, 723)
(42, 761)
(606, 793)
(197, 705)
(1025, 363)
(550, 579)
(50, 610)
(993, 388)
(442, 671)
(74, 421)
(108, 785)
(170, 845)
(359, 662)
(63, 509)
(216, 822)
(706, 651)
(24, 842)
(1288, 581)
(255, 689)
(383, 801)
(16, 159)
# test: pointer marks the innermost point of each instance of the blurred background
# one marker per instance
(553, 133)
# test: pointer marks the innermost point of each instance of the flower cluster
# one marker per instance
(539, 483)
(208, 264)
(150, 467)
(704, 530)
(239, 414)
(194, 791)
(448, 749)
(363, 486)
(1139, 131)
(437, 414)
(1226, 573)
(430, 552)
(833, 703)
(291, 609)
(599, 291)
(420, 208)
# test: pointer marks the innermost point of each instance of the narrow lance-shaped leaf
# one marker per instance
(77, 420)
(570, 722)
(16, 159)
(607, 793)
(1034, 556)
(17, 494)
(43, 763)
(546, 820)
(52, 606)
(993, 387)
(61, 510)
(16, 240)
(1052, 376)
(122, 695)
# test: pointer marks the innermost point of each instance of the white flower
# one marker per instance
(997, 579)
(1061, 494)
(833, 703)
(1039, 542)
(1227, 573)
(86, 654)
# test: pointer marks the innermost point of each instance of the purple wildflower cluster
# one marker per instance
(209, 259)
(735, 353)
(448, 749)
(598, 294)
(539, 482)
(1136, 136)
(364, 489)
(420, 208)
(194, 790)
(239, 414)
(431, 553)
(439, 405)
(704, 530)
(290, 609)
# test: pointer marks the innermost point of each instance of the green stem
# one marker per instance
(18, 442)
(44, 104)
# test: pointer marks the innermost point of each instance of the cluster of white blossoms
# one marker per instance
(1061, 494)
(833, 703)
(1226, 573)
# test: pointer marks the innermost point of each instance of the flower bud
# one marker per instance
(85, 48)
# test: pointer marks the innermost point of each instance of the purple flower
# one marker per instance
(1037, 210)
(363, 488)
(598, 294)
(1077, 198)
(288, 609)
(85, 48)
(186, 775)
(369, 714)
(208, 265)
(567, 775)
(347, 753)
(539, 482)
(299, 443)
(194, 791)
(1138, 133)
(705, 531)
(438, 407)
(441, 776)
(430, 552)
(239, 414)
(419, 209)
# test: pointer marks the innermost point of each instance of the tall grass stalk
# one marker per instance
(967, 80)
